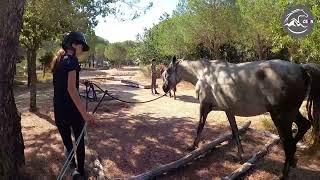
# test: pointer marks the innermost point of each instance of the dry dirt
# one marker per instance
(133, 138)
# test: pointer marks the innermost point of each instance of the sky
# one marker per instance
(114, 30)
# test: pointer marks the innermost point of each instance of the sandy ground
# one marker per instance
(133, 138)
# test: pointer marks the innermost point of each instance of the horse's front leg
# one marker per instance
(204, 110)
(235, 132)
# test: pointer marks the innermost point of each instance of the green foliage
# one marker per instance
(121, 52)
(46, 59)
(235, 30)
(45, 20)
(122, 9)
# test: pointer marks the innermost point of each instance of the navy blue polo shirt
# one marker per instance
(62, 100)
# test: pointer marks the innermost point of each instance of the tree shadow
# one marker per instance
(45, 117)
(134, 144)
(274, 167)
(220, 161)
(129, 144)
(43, 153)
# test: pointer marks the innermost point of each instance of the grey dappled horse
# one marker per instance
(253, 88)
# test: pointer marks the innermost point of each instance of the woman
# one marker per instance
(153, 77)
(69, 111)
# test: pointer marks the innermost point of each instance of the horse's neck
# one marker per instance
(188, 72)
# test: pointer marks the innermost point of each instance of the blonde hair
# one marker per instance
(57, 59)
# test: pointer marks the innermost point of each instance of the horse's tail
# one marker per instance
(313, 102)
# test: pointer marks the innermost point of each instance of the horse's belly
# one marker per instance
(246, 110)
(241, 101)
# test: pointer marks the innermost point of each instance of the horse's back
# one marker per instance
(282, 82)
(251, 88)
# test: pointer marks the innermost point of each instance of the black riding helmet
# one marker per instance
(75, 37)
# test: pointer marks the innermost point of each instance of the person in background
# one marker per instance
(153, 76)
(69, 112)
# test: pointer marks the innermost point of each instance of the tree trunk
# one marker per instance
(29, 68)
(33, 82)
(93, 59)
(260, 47)
(12, 146)
(43, 70)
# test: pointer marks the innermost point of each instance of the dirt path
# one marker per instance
(133, 138)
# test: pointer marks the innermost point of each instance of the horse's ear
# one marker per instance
(174, 60)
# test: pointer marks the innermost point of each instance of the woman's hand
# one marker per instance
(89, 118)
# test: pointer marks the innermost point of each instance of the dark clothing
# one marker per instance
(65, 131)
(61, 98)
(66, 113)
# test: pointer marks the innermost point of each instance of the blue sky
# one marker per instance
(114, 30)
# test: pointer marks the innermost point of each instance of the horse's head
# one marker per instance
(170, 76)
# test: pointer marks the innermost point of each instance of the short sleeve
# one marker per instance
(70, 64)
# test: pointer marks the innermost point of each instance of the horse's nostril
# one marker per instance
(165, 87)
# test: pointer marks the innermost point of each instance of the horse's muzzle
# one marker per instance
(165, 87)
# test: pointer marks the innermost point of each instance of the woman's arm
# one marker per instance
(72, 90)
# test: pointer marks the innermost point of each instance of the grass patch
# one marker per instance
(48, 77)
(268, 124)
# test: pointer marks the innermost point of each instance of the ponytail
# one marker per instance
(57, 59)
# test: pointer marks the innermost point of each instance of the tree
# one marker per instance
(116, 53)
(44, 20)
(45, 61)
(12, 148)
(99, 51)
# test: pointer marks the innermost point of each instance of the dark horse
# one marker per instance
(253, 88)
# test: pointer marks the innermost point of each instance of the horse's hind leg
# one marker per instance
(283, 123)
(303, 126)
(204, 111)
(235, 132)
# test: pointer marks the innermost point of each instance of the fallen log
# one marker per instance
(189, 157)
(246, 166)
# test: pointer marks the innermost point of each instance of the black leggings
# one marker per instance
(64, 126)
